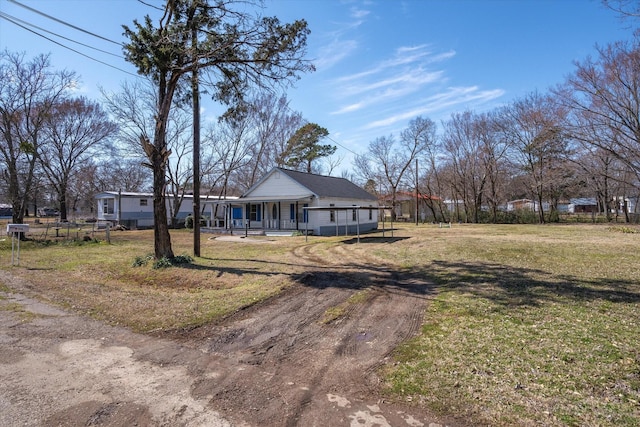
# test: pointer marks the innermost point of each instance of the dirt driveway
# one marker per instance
(279, 363)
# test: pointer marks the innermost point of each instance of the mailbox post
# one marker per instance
(16, 229)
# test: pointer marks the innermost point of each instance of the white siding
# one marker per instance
(277, 185)
(321, 220)
(131, 205)
(132, 209)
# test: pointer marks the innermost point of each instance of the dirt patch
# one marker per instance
(279, 363)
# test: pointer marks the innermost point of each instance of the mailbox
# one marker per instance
(17, 228)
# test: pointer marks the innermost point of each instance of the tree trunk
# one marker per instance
(62, 201)
(63, 207)
(540, 209)
(162, 238)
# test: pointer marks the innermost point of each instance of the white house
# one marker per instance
(135, 210)
(286, 200)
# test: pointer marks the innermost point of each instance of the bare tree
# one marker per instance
(435, 183)
(388, 161)
(532, 126)
(628, 10)
(75, 131)
(122, 174)
(494, 155)
(229, 147)
(463, 145)
(133, 108)
(603, 98)
(273, 123)
(28, 92)
(179, 165)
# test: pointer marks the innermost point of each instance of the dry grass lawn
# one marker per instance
(530, 324)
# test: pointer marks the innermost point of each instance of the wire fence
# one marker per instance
(60, 231)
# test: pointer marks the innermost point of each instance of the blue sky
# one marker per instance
(380, 63)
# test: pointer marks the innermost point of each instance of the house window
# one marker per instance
(305, 213)
(108, 206)
(143, 202)
(370, 213)
(254, 213)
(332, 214)
(292, 211)
(354, 216)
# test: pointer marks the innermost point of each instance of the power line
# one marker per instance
(63, 22)
(18, 22)
(4, 16)
(14, 20)
(341, 146)
(151, 5)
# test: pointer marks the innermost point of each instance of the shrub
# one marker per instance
(165, 262)
(188, 222)
(141, 260)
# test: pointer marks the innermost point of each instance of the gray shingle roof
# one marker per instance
(328, 186)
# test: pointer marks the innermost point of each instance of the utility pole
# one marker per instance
(196, 145)
(417, 193)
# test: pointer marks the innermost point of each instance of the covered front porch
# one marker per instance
(268, 215)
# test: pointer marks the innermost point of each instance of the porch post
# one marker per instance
(358, 223)
(346, 222)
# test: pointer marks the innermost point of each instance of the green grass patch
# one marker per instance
(528, 330)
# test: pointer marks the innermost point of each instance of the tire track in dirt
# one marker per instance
(277, 363)
(287, 366)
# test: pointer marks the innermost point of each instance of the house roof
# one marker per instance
(584, 201)
(322, 185)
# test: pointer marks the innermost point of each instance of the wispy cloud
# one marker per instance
(333, 53)
(389, 90)
(405, 74)
(453, 96)
(339, 45)
(414, 78)
(359, 13)
(403, 56)
(350, 108)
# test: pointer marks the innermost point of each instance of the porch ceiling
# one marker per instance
(271, 199)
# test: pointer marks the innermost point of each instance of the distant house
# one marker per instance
(583, 205)
(405, 205)
(6, 211)
(135, 210)
(628, 203)
(520, 204)
(287, 200)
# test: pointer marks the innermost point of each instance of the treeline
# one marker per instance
(580, 139)
(59, 150)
